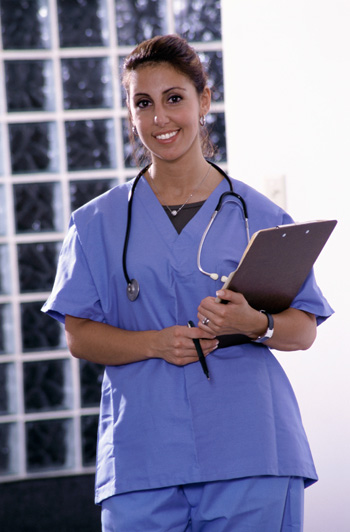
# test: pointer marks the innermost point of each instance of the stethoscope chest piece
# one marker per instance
(132, 290)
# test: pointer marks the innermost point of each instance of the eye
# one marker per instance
(142, 104)
(175, 98)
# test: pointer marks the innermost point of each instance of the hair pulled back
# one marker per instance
(175, 51)
(170, 49)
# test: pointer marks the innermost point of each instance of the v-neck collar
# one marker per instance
(155, 210)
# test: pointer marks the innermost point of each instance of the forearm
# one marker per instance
(104, 344)
(111, 346)
(293, 330)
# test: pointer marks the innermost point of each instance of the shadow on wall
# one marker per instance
(50, 505)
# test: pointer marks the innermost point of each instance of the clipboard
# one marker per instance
(274, 266)
(277, 261)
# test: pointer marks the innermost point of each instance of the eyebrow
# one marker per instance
(137, 94)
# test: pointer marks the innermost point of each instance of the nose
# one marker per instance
(160, 117)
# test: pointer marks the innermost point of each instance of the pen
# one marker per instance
(200, 353)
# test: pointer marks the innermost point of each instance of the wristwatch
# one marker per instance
(269, 331)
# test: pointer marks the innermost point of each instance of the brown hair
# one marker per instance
(174, 50)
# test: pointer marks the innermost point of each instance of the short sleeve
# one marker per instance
(74, 291)
(310, 299)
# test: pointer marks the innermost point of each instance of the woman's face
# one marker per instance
(165, 109)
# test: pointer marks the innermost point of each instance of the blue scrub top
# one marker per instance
(163, 425)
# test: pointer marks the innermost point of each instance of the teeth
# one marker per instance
(166, 135)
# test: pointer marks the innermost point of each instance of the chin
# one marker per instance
(172, 154)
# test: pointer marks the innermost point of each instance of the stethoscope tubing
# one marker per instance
(128, 223)
(224, 195)
(133, 287)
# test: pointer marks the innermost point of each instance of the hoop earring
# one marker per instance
(202, 120)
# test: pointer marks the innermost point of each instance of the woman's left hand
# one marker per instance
(294, 329)
(235, 317)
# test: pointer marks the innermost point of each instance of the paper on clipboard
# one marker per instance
(276, 263)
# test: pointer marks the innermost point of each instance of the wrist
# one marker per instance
(267, 332)
(151, 344)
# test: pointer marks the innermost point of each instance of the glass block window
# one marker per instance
(6, 330)
(199, 20)
(85, 190)
(82, 23)
(33, 147)
(89, 425)
(7, 389)
(139, 20)
(5, 281)
(32, 80)
(64, 139)
(49, 445)
(36, 265)
(90, 381)
(87, 83)
(25, 24)
(90, 144)
(37, 207)
(47, 385)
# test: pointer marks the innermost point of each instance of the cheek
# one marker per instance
(190, 120)
(143, 125)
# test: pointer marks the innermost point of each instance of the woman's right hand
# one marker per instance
(104, 344)
(175, 344)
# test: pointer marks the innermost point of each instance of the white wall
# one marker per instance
(287, 89)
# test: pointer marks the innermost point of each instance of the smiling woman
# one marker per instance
(170, 438)
(167, 116)
(168, 98)
(172, 54)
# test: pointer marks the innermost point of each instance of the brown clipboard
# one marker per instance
(275, 265)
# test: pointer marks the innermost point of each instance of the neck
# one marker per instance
(177, 180)
(175, 211)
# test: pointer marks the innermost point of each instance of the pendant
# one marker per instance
(174, 213)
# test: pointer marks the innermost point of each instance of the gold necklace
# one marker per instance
(175, 212)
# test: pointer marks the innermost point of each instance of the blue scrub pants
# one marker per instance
(257, 504)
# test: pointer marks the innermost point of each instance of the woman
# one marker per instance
(177, 451)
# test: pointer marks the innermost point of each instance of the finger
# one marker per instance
(206, 304)
(203, 323)
(197, 333)
(229, 295)
(206, 338)
(209, 347)
(205, 320)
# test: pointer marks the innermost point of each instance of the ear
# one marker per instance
(204, 101)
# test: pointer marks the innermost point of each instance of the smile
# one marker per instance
(166, 136)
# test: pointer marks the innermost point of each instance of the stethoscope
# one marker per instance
(133, 287)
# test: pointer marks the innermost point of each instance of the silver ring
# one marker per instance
(205, 321)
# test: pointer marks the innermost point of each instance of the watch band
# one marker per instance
(270, 328)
